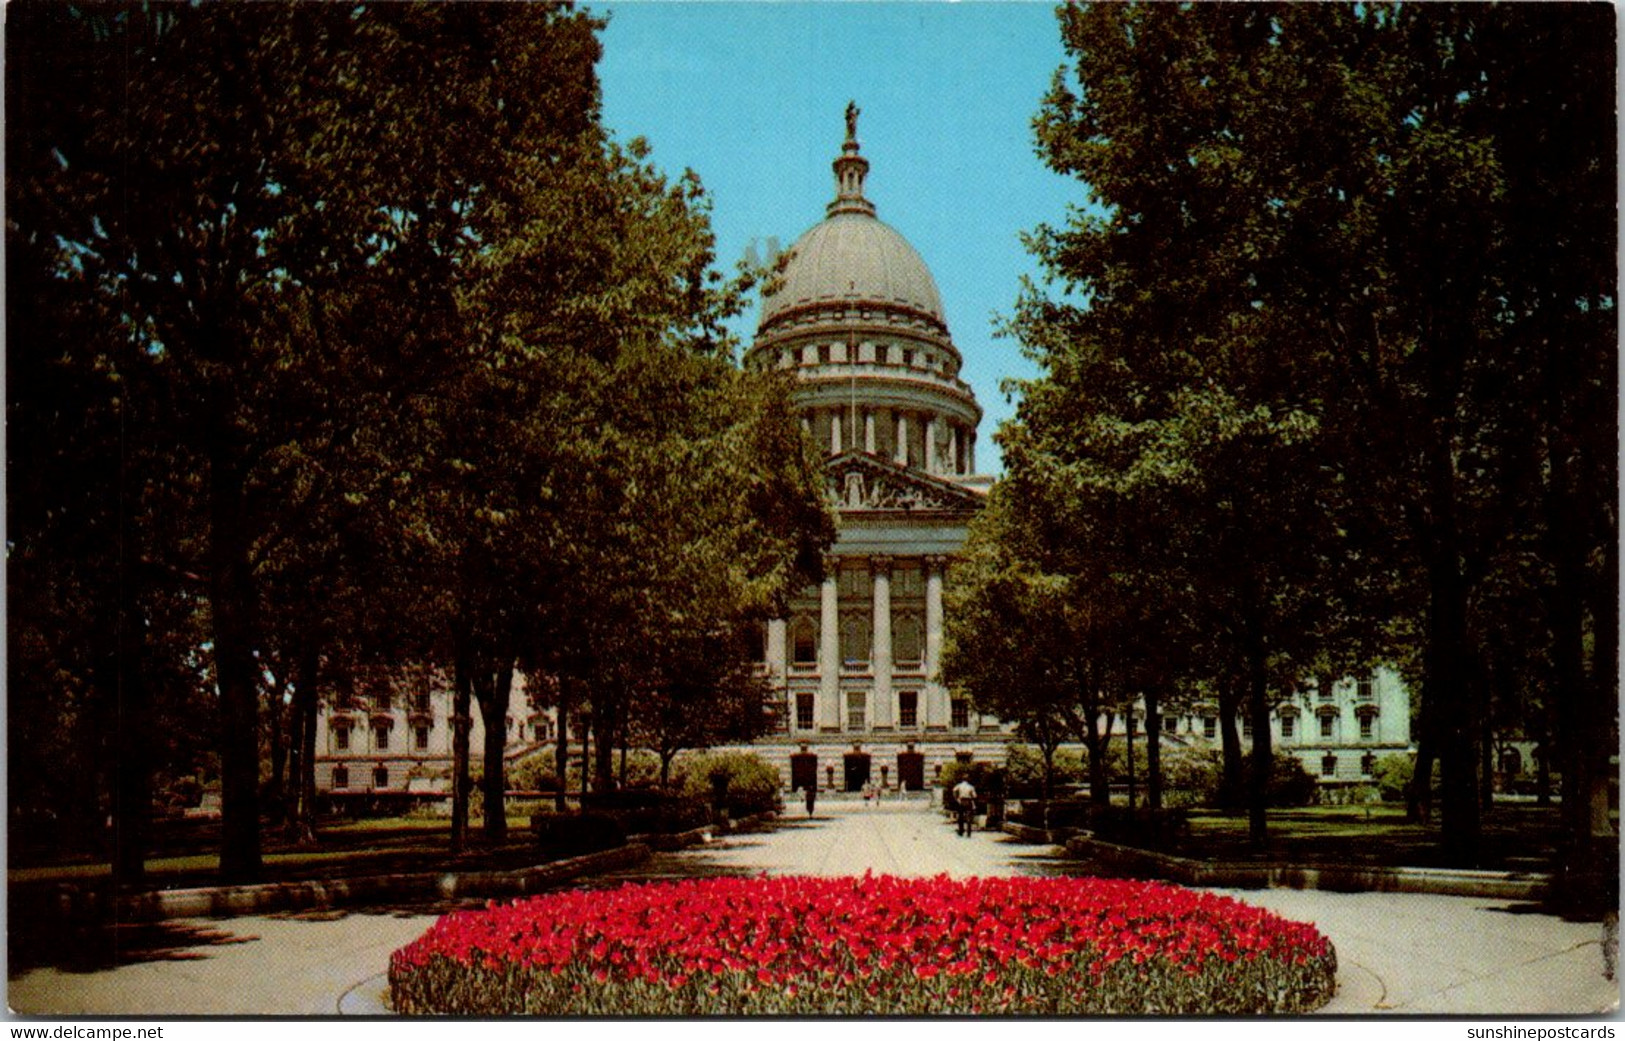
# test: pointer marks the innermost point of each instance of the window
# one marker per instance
(1326, 727)
(1210, 727)
(905, 637)
(803, 641)
(420, 734)
(420, 703)
(1325, 691)
(1365, 728)
(856, 715)
(1247, 726)
(1170, 725)
(804, 711)
(908, 708)
(539, 730)
(1328, 766)
(855, 639)
(1362, 688)
(959, 713)
(1288, 724)
(341, 739)
(383, 702)
(380, 777)
(380, 738)
(1368, 764)
(341, 777)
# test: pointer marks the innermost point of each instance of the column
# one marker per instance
(958, 446)
(902, 440)
(880, 703)
(835, 425)
(869, 431)
(970, 455)
(930, 460)
(778, 658)
(829, 649)
(778, 678)
(936, 700)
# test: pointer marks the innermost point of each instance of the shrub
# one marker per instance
(1024, 769)
(576, 834)
(649, 811)
(1199, 777)
(752, 785)
(1393, 775)
(870, 945)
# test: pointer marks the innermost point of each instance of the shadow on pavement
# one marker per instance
(98, 948)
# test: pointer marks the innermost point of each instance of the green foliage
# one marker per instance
(752, 786)
(1196, 777)
(1024, 768)
(1393, 774)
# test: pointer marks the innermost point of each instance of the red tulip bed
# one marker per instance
(870, 945)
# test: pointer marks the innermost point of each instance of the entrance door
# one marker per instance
(911, 771)
(857, 770)
(803, 771)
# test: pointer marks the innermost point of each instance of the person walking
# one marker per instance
(965, 806)
(812, 797)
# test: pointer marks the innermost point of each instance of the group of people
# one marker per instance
(964, 803)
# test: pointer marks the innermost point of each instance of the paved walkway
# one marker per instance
(1402, 953)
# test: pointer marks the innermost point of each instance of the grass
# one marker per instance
(348, 847)
(1515, 837)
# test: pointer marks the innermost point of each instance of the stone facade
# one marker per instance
(389, 736)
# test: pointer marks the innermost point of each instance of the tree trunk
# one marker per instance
(1445, 662)
(561, 752)
(276, 721)
(494, 689)
(1258, 708)
(461, 720)
(1128, 719)
(1153, 750)
(589, 733)
(132, 773)
(232, 608)
(1097, 740)
(1232, 785)
(301, 817)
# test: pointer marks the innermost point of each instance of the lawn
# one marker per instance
(347, 847)
(1516, 837)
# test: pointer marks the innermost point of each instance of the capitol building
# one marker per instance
(856, 321)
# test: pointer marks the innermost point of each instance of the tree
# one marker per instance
(1302, 223)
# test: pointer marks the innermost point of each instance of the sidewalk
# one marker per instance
(1403, 953)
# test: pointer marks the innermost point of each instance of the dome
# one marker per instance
(852, 257)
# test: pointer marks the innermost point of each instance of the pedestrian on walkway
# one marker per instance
(812, 797)
(965, 806)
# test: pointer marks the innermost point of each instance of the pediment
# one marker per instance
(858, 481)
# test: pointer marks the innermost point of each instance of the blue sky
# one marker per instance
(751, 96)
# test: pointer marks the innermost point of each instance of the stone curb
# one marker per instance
(225, 901)
(1139, 863)
(1027, 833)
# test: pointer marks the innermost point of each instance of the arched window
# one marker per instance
(906, 639)
(803, 641)
(855, 638)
